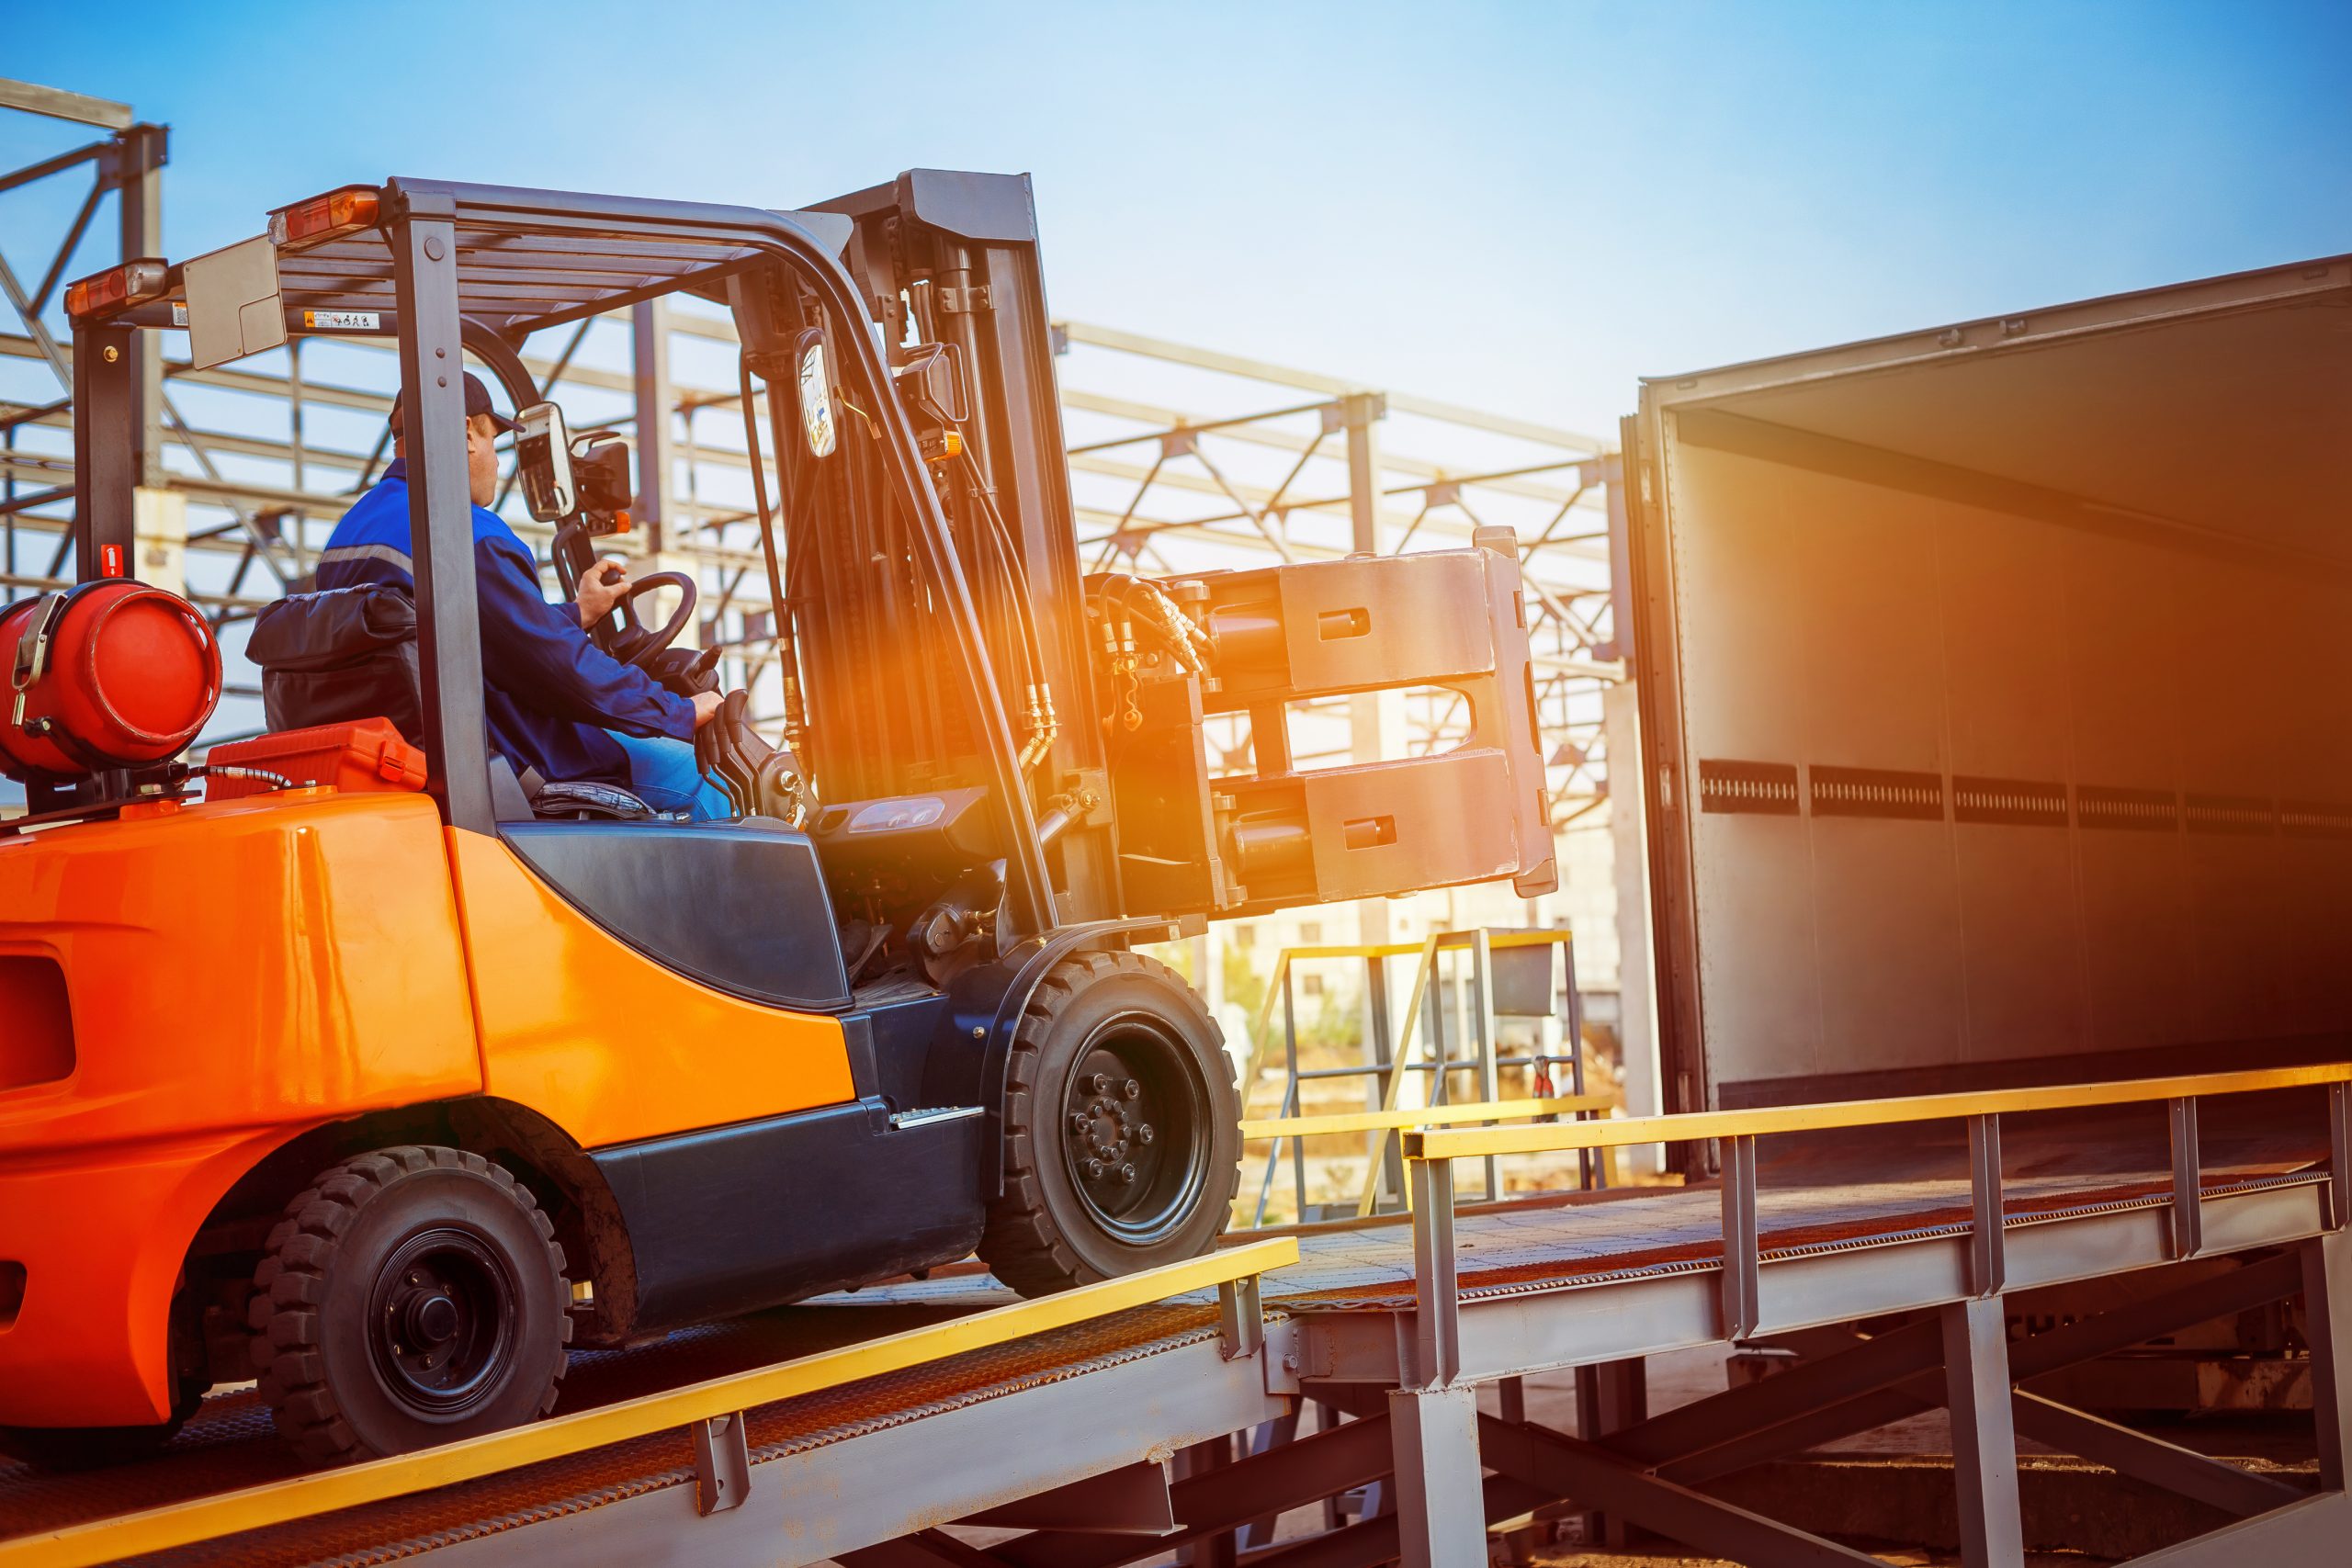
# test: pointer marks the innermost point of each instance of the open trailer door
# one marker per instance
(1999, 697)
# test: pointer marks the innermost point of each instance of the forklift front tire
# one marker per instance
(1122, 1128)
(411, 1296)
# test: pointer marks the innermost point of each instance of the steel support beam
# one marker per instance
(58, 104)
(925, 1549)
(441, 541)
(1133, 1500)
(649, 346)
(1563, 1467)
(1264, 1484)
(1742, 1280)
(1379, 1539)
(2327, 1314)
(2066, 1345)
(2168, 1465)
(1984, 1440)
(1440, 1515)
(1989, 1267)
(106, 476)
(1696, 1428)
(136, 173)
(2311, 1531)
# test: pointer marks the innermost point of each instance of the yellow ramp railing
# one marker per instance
(232, 1513)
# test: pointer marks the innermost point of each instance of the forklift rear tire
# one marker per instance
(1122, 1128)
(411, 1296)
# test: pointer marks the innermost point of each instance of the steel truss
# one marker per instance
(267, 453)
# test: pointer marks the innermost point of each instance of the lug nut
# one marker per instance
(1078, 1121)
(1094, 1167)
(1143, 1134)
(1127, 1173)
(1132, 1089)
(1100, 1083)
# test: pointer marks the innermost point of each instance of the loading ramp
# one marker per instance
(1099, 1424)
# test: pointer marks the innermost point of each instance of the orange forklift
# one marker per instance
(354, 1061)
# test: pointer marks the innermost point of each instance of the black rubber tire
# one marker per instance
(1043, 1234)
(324, 1266)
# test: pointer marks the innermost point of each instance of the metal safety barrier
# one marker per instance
(1510, 973)
(1432, 1153)
(1393, 1124)
(713, 1412)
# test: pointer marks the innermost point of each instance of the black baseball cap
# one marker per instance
(476, 402)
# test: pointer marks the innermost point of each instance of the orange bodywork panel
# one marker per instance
(234, 974)
(605, 1042)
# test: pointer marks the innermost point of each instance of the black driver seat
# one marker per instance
(337, 655)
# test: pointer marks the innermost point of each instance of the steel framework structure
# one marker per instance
(250, 465)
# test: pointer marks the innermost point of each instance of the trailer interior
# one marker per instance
(1997, 699)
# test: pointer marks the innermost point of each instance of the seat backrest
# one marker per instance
(339, 655)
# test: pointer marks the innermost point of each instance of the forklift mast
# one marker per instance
(951, 259)
(947, 266)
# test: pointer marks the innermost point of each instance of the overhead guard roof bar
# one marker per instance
(501, 239)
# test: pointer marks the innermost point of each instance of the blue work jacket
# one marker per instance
(548, 694)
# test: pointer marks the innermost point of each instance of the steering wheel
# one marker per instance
(634, 643)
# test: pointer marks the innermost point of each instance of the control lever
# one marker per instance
(759, 779)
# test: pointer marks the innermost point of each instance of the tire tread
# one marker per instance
(290, 1366)
(1022, 1244)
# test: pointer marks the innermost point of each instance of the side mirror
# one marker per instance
(816, 382)
(543, 462)
(931, 383)
(600, 462)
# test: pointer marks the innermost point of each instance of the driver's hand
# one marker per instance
(601, 587)
(706, 707)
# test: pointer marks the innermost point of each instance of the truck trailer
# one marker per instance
(1997, 700)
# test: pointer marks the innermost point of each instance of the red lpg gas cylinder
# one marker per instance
(111, 674)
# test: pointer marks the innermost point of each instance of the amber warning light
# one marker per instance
(328, 217)
(116, 287)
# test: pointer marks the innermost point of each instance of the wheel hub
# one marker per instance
(1131, 1112)
(443, 1324)
(431, 1317)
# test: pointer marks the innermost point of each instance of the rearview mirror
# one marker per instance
(816, 380)
(931, 383)
(543, 462)
(600, 466)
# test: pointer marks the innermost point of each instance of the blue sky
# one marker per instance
(1522, 207)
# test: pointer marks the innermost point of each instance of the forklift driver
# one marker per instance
(553, 701)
